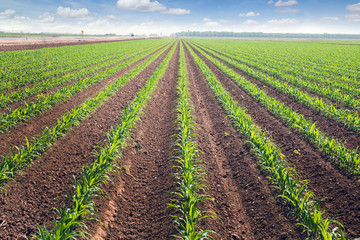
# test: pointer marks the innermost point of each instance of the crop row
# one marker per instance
(26, 154)
(273, 66)
(345, 117)
(348, 159)
(190, 186)
(336, 91)
(71, 219)
(44, 102)
(283, 177)
(312, 60)
(12, 97)
(54, 62)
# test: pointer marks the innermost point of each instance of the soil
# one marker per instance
(134, 207)
(350, 137)
(32, 197)
(139, 192)
(34, 126)
(243, 199)
(341, 193)
(30, 43)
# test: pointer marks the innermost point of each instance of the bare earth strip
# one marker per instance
(36, 43)
(342, 193)
(135, 205)
(35, 126)
(243, 199)
(325, 124)
(33, 197)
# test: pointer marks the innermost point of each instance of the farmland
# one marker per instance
(158, 138)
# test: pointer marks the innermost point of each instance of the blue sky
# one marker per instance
(168, 16)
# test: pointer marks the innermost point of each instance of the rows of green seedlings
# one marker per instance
(336, 150)
(45, 102)
(72, 220)
(283, 176)
(336, 91)
(13, 79)
(24, 155)
(298, 66)
(87, 55)
(58, 62)
(190, 177)
(288, 70)
(336, 63)
(343, 116)
(96, 65)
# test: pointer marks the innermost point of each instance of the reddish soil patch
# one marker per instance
(243, 199)
(135, 204)
(32, 197)
(53, 42)
(342, 193)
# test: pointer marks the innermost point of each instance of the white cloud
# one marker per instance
(355, 12)
(205, 19)
(281, 3)
(7, 14)
(72, 13)
(212, 24)
(140, 5)
(270, 2)
(287, 10)
(176, 11)
(329, 19)
(46, 18)
(111, 17)
(224, 21)
(149, 6)
(249, 14)
(250, 22)
(284, 21)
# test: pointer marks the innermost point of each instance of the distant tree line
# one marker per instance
(266, 35)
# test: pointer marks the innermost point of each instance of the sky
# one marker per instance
(169, 16)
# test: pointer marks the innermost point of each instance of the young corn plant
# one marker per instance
(190, 179)
(346, 158)
(283, 177)
(72, 222)
(344, 116)
(26, 154)
(45, 102)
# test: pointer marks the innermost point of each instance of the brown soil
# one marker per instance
(325, 124)
(342, 193)
(20, 44)
(136, 199)
(54, 89)
(35, 125)
(243, 199)
(32, 197)
(312, 94)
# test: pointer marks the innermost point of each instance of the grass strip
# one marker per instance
(72, 220)
(190, 177)
(283, 177)
(336, 150)
(26, 154)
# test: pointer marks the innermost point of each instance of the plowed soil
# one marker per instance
(341, 193)
(32, 197)
(135, 201)
(17, 44)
